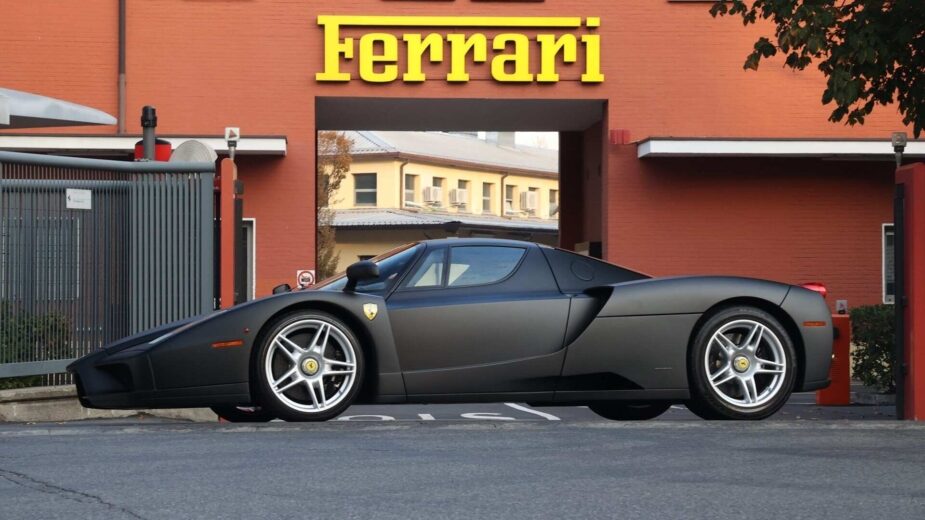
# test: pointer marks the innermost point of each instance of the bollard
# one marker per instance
(838, 392)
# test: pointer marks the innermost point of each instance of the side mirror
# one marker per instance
(282, 288)
(362, 270)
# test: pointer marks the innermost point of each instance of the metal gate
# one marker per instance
(92, 251)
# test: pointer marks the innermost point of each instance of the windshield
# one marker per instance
(391, 266)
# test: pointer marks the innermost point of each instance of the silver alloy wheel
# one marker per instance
(745, 363)
(311, 365)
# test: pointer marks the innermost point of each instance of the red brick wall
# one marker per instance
(793, 220)
(670, 70)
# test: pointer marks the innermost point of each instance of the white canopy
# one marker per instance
(24, 110)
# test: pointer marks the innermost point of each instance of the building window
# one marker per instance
(250, 252)
(411, 182)
(438, 183)
(462, 196)
(553, 203)
(486, 197)
(365, 190)
(533, 201)
(889, 273)
(509, 198)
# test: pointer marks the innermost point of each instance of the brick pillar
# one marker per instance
(913, 177)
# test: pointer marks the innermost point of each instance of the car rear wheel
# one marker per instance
(742, 365)
(309, 367)
(622, 411)
(242, 414)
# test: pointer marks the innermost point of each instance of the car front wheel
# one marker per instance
(309, 367)
(742, 365)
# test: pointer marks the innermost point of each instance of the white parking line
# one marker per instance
(369, 417)
(547, 416)
(490, 416)
(426, 417)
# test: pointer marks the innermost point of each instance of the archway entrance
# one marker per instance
(580, 123)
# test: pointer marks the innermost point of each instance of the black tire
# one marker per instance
(285, 407)
(711, 403)
(242, 414)
(629, 411)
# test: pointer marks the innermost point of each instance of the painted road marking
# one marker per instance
(547, 416)
(489, 416)
(426, 417)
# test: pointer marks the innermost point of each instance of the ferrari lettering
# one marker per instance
(379, 55)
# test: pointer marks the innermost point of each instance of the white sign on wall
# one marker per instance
(79, 199)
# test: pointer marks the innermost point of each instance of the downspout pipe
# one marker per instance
(401, 185)
(121, 87)
(502, 195)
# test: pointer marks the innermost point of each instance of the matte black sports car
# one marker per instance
(463, 320)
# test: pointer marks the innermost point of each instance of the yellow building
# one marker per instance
(407, 186)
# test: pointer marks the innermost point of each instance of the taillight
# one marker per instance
(817, 287)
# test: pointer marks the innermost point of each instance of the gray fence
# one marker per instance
(92, 251)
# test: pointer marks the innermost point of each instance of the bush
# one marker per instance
(27, 337)
(872, 329)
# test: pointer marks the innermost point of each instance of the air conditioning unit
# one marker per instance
(528, 200)
(433, 195)
(459, 197)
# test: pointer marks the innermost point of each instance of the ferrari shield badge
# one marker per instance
(370, 310)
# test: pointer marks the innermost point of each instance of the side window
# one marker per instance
(480, 265)
(430, 272)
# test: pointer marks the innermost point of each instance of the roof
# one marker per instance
(397, 218)
(455, 148)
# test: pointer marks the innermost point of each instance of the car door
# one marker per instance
(479, 319)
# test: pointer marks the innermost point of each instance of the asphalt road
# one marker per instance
(505, 461)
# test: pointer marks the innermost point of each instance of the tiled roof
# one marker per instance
(375, 217)
(456, 147)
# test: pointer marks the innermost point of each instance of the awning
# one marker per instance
(98, 145)
(24, 110)
(820, 148)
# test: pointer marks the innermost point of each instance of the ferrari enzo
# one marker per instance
(466, 320)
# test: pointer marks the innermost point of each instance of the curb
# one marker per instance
(59, 403)
(873, 398)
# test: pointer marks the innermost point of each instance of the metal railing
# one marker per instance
(93, 250)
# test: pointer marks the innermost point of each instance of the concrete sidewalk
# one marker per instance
(59, 403)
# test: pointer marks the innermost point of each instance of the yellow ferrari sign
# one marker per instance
(508, 52)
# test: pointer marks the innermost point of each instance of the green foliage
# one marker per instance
(871, 51)
(872, 328)
(332, 166)
(26, 337)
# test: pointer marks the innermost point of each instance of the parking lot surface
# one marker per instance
(471, 461)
